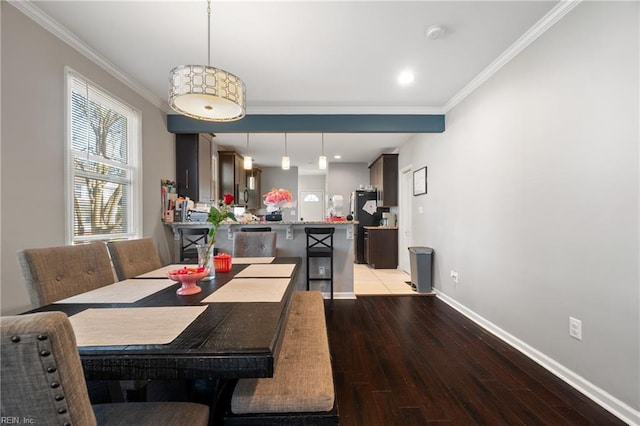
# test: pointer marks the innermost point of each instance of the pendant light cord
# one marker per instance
(323, 144)
(209, 32)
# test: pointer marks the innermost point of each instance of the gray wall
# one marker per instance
(343, 178)
(533, 197)
(33, 147)
(275, 177)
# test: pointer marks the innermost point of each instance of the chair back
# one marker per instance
(254, 244)
(42, 377)
(319, 239)
(133, 257)
(189, 240)
(55, 273)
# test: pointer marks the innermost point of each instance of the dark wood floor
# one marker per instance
(407, 360)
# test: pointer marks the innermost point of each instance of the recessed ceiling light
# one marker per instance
(406, 77)
(337, 157)
(434, 32)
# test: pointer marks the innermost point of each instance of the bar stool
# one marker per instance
(255, 229)
(189, 240)
(320, 244)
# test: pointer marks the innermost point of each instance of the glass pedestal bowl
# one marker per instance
(188, 277)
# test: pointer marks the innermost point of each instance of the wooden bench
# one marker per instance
(301, 391)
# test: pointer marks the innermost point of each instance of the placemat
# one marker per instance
(162, 272)
(250, 290)
(272, 270)
(127, 291)
(132, 326)
(249, 260)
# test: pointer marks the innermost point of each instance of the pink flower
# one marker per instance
(276, 196)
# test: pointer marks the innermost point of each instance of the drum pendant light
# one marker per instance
(204, 92)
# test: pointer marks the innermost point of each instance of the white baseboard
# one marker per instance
(607, 401)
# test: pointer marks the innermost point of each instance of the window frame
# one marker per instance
(133, 166)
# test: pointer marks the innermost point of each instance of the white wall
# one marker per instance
(534, 193)
(32, 179)
(343, 178)
(275, 177)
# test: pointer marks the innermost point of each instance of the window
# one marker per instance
(103, 164)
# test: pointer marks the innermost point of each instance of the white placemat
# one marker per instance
(132, 326)
(272, 270)
(250, 290)
(162, 272)
(249, 260)
(127, 291)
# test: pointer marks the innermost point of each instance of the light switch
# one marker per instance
(420, 209)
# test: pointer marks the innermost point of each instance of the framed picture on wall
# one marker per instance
(420, 181)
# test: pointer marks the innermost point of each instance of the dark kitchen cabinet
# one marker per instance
(232, 176)
(381, 247)
(193, 166)
(383, 175)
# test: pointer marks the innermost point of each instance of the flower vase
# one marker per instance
(205, 259)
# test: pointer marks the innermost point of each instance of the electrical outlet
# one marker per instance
(454, 276)
(575, 328)
(321, 270)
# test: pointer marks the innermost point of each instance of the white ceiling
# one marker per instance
(306, 57)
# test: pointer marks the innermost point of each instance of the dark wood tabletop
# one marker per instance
(229, 340)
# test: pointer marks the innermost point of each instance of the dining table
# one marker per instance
(142, 329)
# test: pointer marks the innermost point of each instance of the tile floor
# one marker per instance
(368, 281)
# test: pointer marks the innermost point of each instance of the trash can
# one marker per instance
(421, 261)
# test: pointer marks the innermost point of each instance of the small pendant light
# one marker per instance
(322, 160)
(248, 161)
(286, 161)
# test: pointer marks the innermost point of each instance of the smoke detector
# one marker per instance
(435, 31)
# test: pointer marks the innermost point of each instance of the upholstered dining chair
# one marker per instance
(133, 257)
(254, 244)
(43, 380)
(55, 273)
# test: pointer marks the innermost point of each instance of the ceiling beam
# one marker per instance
(312, 123)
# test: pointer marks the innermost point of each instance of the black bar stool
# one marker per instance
(320, 244)
(189, 239)
(255, 229)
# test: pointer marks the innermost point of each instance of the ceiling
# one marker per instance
(304, 57)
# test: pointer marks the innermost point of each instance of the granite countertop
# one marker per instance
(380, 227)
(267, 223)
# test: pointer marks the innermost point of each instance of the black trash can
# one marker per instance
(421, 262)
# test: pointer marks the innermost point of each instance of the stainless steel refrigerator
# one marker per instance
(364, 210)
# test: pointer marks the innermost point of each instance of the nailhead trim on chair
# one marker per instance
(51, 367)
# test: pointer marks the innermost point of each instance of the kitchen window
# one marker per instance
(103, 164)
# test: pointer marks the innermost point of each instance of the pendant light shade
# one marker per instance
(252, 181)
(322, 160)
(286, 161)
(204, 92)
(248, 161)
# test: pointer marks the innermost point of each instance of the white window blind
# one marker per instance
(102, 164)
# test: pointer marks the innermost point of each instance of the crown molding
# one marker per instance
(45, 21)
(539, 28)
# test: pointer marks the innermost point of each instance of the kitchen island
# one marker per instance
(292, 242)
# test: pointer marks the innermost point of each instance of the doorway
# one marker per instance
(312, 205)
(404, 225)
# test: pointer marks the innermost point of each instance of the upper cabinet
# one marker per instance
(193, 166)
(383, 175)
(232, 176)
